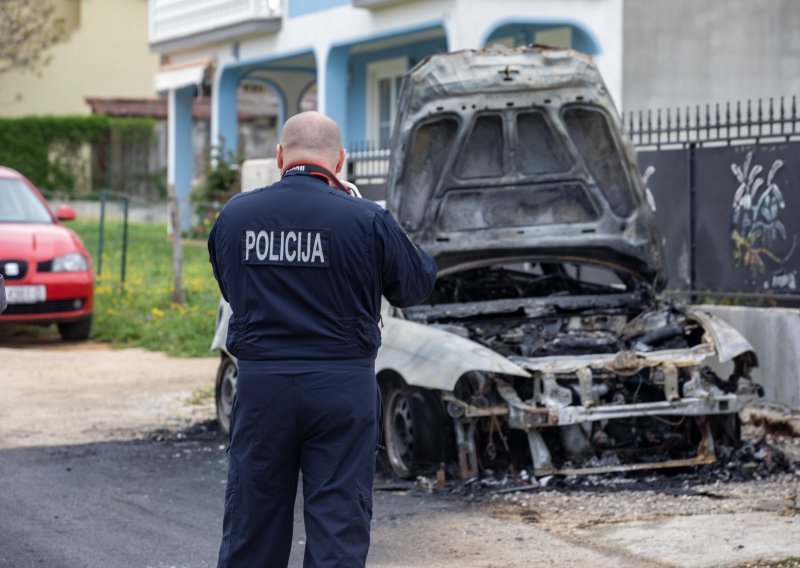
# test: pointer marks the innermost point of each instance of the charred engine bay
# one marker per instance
(548, 310)
(552, 312)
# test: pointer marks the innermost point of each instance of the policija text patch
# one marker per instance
(286, 247)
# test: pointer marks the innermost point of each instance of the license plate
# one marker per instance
(25, 294)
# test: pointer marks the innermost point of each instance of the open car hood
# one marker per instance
(509, 154)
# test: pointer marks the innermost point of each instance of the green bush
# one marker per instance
(46, 149)
(221, 181)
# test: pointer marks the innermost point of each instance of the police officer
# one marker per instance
(303, 266)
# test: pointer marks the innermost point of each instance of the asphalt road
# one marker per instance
(159, 505)
(111, 504)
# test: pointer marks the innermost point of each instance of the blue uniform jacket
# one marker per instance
(304, 265)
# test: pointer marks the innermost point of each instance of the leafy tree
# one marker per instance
(27, 29)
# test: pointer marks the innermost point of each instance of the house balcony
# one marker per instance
(181, 24)
(375, 3)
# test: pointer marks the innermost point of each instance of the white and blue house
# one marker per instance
(353, 52)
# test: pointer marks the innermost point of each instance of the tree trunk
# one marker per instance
(177, 248)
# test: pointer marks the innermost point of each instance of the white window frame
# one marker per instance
(376, 71)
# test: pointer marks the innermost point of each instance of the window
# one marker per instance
(383, 86)
(507, 41)
(555, 37)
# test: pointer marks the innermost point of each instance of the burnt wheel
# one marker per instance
(413, 430)
(225, 391)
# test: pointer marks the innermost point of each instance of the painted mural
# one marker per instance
(760, 240)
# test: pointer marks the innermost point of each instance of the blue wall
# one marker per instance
(336, 87)
(357, 107)
(303, 7)
(227, 116)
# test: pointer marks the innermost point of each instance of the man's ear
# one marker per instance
(340, 162)
(279, 154)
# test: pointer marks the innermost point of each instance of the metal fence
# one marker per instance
(725, 183)
(103, 218)
(710, 125)
(367, 167)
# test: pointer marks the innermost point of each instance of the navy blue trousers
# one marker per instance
(321, 418)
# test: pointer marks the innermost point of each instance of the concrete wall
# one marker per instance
(687, 52)
(774, 334)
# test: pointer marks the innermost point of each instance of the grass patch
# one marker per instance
(791, 562)
(141, 313)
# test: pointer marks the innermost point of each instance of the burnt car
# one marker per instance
(545, 345)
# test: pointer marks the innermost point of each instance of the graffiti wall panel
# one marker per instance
(666, 177)
(747, 224)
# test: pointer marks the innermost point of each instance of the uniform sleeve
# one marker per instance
(408, 273)
(212, 257)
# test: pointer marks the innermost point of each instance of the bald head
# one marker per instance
(311, 137)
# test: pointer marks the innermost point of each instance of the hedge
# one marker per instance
(46, 149)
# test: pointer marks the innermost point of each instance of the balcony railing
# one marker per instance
(374, 3)
(184, 23)
(367, 167)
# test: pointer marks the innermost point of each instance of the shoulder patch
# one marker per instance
(286, 247)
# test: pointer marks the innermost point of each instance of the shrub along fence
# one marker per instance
(72, 154)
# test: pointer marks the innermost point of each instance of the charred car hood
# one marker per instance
(518, 154)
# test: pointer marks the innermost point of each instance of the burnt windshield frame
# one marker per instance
(629, 203)
(617, 282)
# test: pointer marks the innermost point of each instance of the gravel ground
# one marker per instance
(570, 511)
(576, 503)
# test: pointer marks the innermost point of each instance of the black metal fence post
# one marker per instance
(125, 206)
(692, 219)
(105, 195)
(102, 233)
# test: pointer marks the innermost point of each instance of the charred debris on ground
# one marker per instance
(758, 460)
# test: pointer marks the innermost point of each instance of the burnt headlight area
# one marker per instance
(589, 420)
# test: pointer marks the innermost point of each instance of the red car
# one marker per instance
(47, 270)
